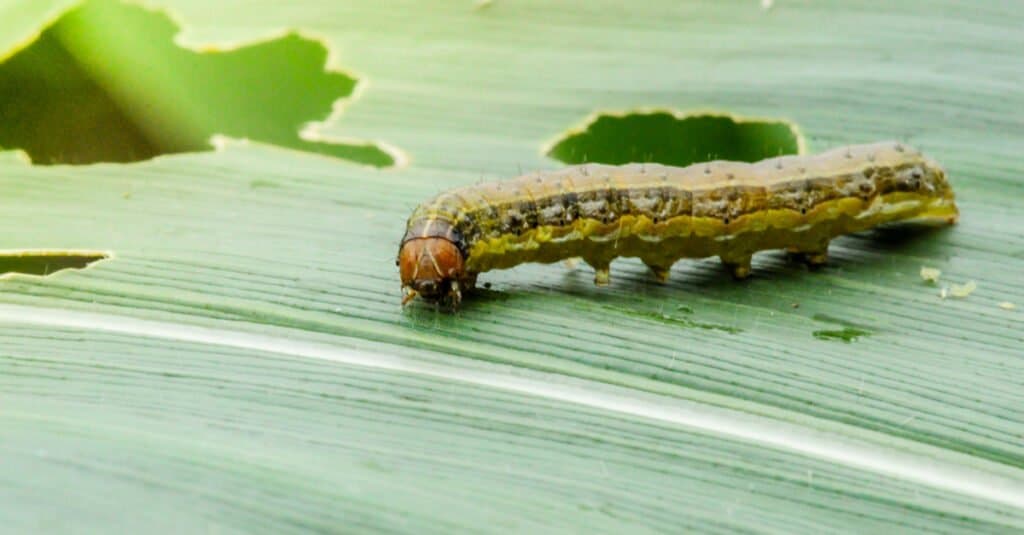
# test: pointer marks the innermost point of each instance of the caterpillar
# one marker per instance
(661, 214)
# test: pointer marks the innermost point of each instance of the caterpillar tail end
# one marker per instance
(941, 210)
(953, 216)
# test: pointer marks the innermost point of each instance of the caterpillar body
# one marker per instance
(661, 214)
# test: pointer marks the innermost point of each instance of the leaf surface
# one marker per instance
(242, 363)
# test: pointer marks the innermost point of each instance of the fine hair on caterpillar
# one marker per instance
(662, 214)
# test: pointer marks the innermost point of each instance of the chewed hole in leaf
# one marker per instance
(676, 139)
(43, 263)
(106, 82)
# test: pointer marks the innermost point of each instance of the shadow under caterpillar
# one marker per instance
(661, 214)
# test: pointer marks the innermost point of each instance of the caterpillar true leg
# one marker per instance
(455, 294)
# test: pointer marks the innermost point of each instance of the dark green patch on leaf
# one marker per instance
(107, 83)
(850, 331)
(46, 262)
(846, 334)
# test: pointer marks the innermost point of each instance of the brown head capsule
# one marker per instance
(431, 268)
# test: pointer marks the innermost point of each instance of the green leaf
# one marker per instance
(241, 363)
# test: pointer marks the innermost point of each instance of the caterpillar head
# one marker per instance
(433, 269)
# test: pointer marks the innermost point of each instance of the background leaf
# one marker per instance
(135, 94)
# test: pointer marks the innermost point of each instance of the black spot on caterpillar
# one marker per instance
(661, 214)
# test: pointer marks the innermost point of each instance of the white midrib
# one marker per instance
(947, 474)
